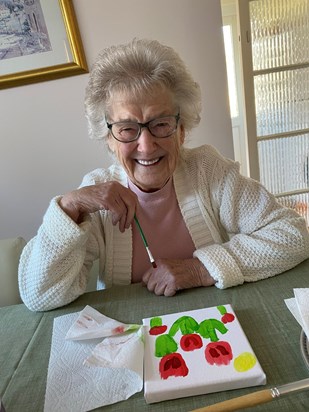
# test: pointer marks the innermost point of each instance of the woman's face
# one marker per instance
(148, 161)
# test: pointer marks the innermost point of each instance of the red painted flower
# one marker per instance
(156, 326)
(227, 317)
(173, 365)
(219, 353)
(157, 330)
(191, 342)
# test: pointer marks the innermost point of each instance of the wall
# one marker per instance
(45, 150)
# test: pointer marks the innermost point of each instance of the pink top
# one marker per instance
(163, 226)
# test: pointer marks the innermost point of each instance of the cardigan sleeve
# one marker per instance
(55, 265)
(263, 238)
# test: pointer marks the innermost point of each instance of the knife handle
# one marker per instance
(242, 402)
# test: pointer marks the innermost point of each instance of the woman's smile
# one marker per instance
(150, 162)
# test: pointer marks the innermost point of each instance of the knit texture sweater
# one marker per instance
(239, 231)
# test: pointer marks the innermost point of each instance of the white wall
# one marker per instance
(44, 147)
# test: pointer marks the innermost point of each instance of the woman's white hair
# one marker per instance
(137, 68)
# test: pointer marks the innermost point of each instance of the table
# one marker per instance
(274, 334)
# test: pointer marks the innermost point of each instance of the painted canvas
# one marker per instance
(197, 352)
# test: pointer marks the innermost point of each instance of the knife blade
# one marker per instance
(256, 398)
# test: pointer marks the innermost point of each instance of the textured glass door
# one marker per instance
(279, 38)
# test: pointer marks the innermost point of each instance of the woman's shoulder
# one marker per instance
(205, 154)
(99, 175)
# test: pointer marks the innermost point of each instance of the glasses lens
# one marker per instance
(125, 131)
(163, 127)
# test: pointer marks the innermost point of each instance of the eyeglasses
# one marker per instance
(127, 132)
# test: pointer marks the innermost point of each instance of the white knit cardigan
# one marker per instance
(239, 230)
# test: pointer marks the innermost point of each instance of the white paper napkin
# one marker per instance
(92, 324)
(299, 307)
(86, 374)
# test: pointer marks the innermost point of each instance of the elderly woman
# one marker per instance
(204, 222)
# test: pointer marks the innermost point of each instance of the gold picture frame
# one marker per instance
(64, 56)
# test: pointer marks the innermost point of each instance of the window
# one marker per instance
(275, 48)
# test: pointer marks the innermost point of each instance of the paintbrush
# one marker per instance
(256, 398)
(152, 261)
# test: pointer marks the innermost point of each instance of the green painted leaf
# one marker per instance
(207, 329)
(221, 309)
(155, 322)
(186, 324)
(165, 345)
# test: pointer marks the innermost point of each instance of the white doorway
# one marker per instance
(233, 64)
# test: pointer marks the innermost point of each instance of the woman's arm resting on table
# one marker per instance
(172, 275)
(262, 238)
(55, 265)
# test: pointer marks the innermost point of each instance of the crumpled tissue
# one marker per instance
(84, 374)
(299, 307)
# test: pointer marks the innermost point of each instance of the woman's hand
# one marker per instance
(112, 196)
(172, 275)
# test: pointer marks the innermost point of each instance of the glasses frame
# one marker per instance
(141, 126)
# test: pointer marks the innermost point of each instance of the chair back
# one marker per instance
(10, 251)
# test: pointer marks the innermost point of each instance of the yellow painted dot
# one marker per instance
(244, 362)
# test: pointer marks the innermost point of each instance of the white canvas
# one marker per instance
(224, 361)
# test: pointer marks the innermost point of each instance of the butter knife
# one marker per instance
(256, 398)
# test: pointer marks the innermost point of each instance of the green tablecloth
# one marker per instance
(25, 340)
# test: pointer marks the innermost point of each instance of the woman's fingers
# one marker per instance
(124, 206)
(123, 220)
(123, 212)
(172, 275)
(111, 196)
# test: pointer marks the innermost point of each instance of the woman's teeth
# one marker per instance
(147, 162)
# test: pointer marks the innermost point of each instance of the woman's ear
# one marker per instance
(111, 143)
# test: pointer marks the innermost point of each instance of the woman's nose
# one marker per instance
(146, 141)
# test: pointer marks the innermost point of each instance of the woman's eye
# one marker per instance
(162, 124)
(127, 129)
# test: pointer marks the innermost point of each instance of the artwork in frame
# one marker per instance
(39, 41)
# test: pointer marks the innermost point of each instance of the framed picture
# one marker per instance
(39, 41)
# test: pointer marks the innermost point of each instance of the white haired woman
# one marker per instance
(204, 222)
